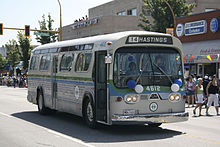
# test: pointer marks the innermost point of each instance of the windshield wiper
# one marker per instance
(163, 72)
(141, 72)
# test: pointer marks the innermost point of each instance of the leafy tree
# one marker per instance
(2, 62)
(25, 49)
(162, 15)
(12, 52)
(46, 25)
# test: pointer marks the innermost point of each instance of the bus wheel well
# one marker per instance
(39, 90)
(88, 111)
(86, 97)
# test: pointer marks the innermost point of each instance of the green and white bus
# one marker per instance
(132, 77)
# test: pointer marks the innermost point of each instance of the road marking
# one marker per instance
(70, 138)
(6, 115)
(200, 138)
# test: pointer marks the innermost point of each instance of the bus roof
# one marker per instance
(97, 39)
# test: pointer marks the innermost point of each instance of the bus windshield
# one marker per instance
(147, 66)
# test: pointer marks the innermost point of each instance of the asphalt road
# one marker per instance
(22, 126)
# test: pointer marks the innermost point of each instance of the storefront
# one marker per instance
(200, 35)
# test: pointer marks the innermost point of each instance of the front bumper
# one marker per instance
(150, 118)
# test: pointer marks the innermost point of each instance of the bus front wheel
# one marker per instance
(40, 103)
(89, 113)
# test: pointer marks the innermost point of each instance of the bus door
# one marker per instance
(53, 80)
(101, 86)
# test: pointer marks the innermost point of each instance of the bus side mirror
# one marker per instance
(108, 59)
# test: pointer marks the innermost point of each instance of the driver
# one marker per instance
(132, 69)
(159, 61)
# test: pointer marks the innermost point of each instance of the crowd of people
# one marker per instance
(202, 91)
(15, 81)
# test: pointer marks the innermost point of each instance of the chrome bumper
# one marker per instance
(150, 118)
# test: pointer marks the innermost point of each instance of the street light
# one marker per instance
(174, 20)
(60, 39)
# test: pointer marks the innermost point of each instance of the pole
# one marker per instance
(174, 20)
(9, 28)
(60, 39)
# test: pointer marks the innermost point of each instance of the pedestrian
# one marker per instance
(194, 79)
(190, 91)
(205, 84)
(212, 92)
(199, 96)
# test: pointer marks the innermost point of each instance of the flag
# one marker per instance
(209, 57)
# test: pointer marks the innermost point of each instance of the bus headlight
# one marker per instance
(131, 98)
(174, 97)
(177, 97)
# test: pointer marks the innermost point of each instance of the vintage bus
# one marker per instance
(132, 77)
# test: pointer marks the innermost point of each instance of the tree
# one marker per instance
(2, 62)
(12, 52)
(46, 25)
(25, 49)
(162, 15)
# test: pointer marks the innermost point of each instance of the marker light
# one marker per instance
(109, 43)
(118, 99)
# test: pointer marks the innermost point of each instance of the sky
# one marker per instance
(18, 13)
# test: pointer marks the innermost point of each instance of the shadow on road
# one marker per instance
(74, 126)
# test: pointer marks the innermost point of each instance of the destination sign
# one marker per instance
(149, 40)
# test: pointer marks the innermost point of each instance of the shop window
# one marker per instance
(83, 61)
(66, 62)
(45, 62)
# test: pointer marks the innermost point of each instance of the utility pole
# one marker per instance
(60, 38)
(174, 20)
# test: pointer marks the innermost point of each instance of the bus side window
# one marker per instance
(66, 62)
(83, 61)
(45, 62)
(34, 62)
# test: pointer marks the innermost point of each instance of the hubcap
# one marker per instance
(40, 102)
(89, 112)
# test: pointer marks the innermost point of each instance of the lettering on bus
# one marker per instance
(153, 88)
(149, 39)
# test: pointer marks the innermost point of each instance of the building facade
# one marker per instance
(200, 35)
(119, 15)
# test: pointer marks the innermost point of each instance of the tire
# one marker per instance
(40, 104)
(154, 125)
(89, 113)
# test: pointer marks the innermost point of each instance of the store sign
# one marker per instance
(196, 27)
(180, 30)
(214, 25)
(149, 39)
(85, 23)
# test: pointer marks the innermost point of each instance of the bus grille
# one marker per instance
(145, 96)
(154, 96)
